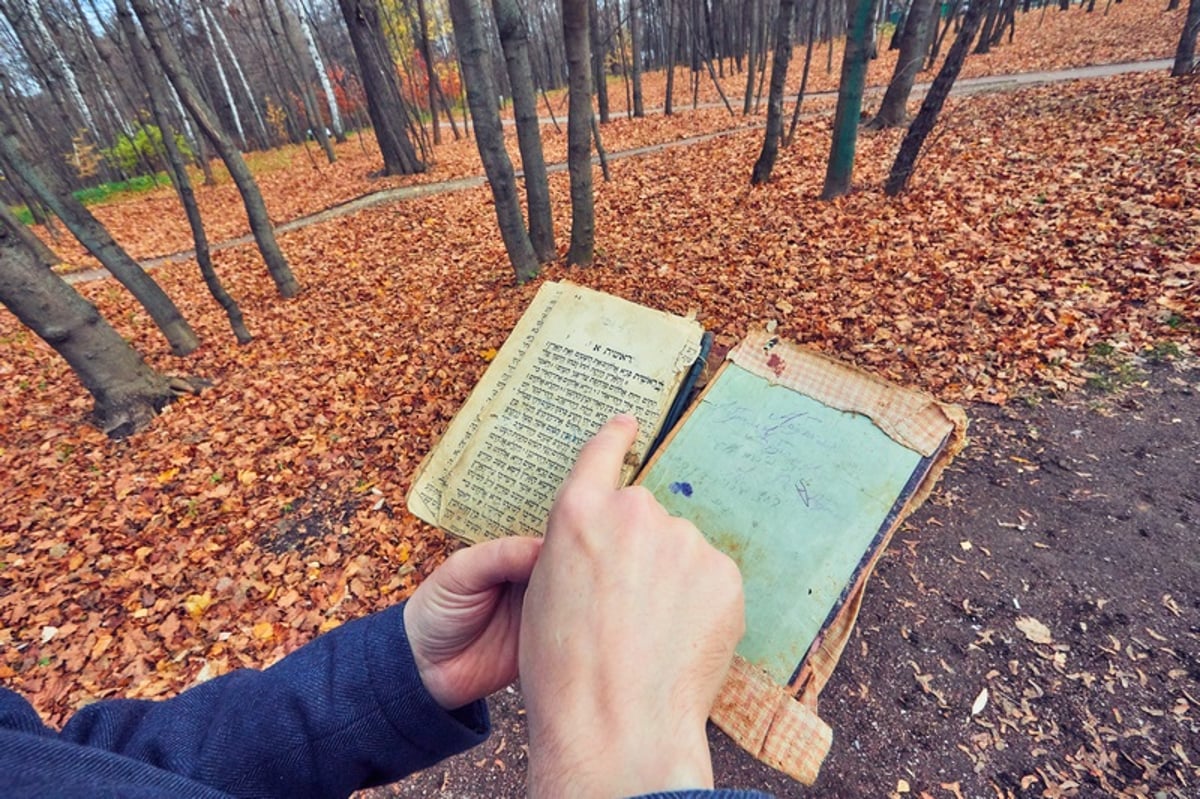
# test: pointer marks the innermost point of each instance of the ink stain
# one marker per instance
(776, 364)
(681, 488)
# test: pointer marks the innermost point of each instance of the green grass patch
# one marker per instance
(106, 192)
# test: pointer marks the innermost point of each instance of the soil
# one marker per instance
(1056, 567)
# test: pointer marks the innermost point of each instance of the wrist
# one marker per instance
(602, 764)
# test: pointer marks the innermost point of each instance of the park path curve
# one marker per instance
(988, 83)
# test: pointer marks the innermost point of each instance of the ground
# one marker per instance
(1056, 567)
(1048, 241)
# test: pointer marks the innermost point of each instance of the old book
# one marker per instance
(797, 466)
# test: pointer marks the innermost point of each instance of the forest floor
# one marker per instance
(1045, 256)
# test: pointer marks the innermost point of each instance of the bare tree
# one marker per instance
(256, 209)
(177, 168)
(489, 136)
(514, 39)
(385, 105)
(635, 47)
(93, 235)
(127, 392)
(931, 106)
(42, 253)
(849, 102)
(914, 41)
(1185, 53)
(779, 67)
(579, 131)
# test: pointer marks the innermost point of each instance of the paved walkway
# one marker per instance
(989, 83)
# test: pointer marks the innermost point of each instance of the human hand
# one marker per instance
(463, 621)
(628, 631)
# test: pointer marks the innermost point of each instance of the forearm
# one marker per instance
(345, 711)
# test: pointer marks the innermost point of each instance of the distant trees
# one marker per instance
(256, 210)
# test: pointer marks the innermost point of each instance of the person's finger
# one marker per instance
(490, 564)
(600, 461)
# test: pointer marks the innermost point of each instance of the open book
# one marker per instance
(797, 466)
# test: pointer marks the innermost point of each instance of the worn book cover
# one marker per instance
(797, 466)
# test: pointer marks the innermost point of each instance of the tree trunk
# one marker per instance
(635, 47)
(579, 130)
(27, 23)
(984, 45)
(921, 126)
(808, 51)
(849, 103)
(431, 76)
(206, 26)
(256, 209)
(599, 72)
(751, 10)
(292, 48)
(1185, 53)
(385, 105)
(27, 238)
(779, 67)
(913, 44)
(177, 169)
(314, 52)
(127, 392)
(670, 37)
(514, 39)
(489, 136)
(96, 239)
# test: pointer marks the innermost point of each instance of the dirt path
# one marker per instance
(992, 83)
(1082, 516)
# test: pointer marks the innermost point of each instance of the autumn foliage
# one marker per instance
(1040, 225)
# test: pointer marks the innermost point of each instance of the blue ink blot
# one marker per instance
(681, 488)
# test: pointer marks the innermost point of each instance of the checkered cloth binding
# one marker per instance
(911, 418)
(766, 721)
(779, 725)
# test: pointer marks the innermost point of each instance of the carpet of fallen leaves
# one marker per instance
(1041, 224)
(297, 181)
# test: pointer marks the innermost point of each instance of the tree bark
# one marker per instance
(579, 131)
(849, 103)
(431, 76)
(599, 72)
(779, 67)
(127, 392)
(984, 45)
(96, 239)
(1185, 53)
(921, 126)
(293, 48)
(28, 239)
(489, 136)
(913, 44)
(385, 105)
(635, 47)
(177, 169)
(256, 209)
(514, 39)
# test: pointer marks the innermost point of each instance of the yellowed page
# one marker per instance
(593, 356)
(425, 496)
